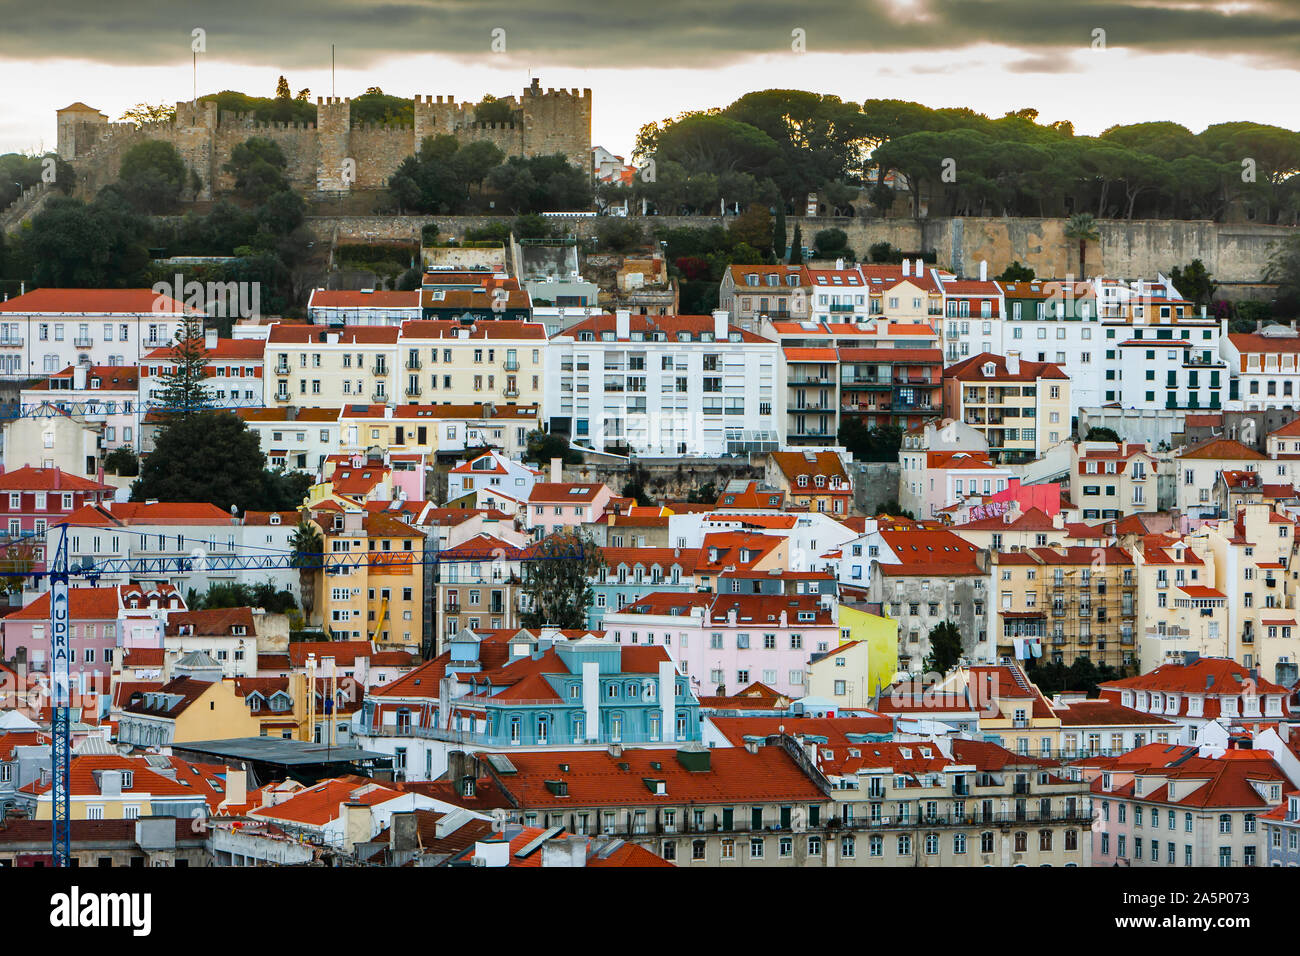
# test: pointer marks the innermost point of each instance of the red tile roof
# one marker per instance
(972, 370)
(28, 478)
(95, 302)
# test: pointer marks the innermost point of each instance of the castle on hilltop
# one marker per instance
(332, 154)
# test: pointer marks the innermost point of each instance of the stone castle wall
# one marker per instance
(333, 154)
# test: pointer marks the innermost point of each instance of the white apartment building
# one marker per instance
(1265, 368)
(665, 385)
(45, 331)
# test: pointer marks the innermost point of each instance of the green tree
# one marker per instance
(753, 227)
(492, 110)
(543, 446)
(1103, 434)
(282, 89)
(1194, 282)
(619, 235)
(832, 244)
(308, 549)
(185, 389)
(780, 242)
(1016, 273)
(945, 648)
(557, 580)
(205, 456)
(143, 114)
(1082, 227)
(123, 462)
(796, 247)
(258, 165)
(152, 176)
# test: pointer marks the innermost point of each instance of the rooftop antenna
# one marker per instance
(331, 71)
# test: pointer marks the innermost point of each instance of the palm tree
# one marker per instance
(1083, 227)
(308, 547)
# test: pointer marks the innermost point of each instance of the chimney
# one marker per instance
(79, 376)
(403, 833)
(570, 851)
(1013, 363)
(920, 267)
(236, 786)
(907, 267)
(839, 265)
(984, 271)
(557, 469)
(720, 324)
(356, 825)
(209, 339)
(622, 324)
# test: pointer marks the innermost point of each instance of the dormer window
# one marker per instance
(275, 518)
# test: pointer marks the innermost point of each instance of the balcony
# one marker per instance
(511, 391)
(282, 369)
(1169, 633)
(812, 380)
(379, 369)
(511, 365)
(414, 364)
(841, 307)
(413, 391)
(379, 396)
(83, 342)
(11, 340)
(282, 396)
(451, 607)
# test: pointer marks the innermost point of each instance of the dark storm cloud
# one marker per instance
(297, 33)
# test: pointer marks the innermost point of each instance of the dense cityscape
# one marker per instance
(390, 481)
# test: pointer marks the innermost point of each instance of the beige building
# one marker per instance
(1077, 602)
(501, 361)
(1252, 552)
(1179, 607)
(314, 366)
(1021, 408)
(1110, 480)
(1197, 469)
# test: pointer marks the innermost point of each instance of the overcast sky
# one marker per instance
(1196, 62)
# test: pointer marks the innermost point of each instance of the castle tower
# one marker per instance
(557, 121)
(334, 133)
(78, 127)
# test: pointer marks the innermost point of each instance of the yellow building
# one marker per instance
(113, 787)
(1075, 602)
(502, 361)
(1252, 552)
(866, 660)
(307, 365)
(1011, 709)
(1021, 408)
(185, 709)
(373, 584)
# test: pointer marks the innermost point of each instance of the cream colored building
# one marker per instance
(1252, 552)
(444, 361)
(1197, 468)
(1021, 408)
(1110, 480)
(1179, 607)
(314, 366)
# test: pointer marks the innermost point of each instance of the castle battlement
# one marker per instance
(551, 121)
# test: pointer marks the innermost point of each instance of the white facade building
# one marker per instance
(665, 385)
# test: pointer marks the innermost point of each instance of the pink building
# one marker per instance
(102, 620)
(33, 499)
(729, 641)
(564, 504)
